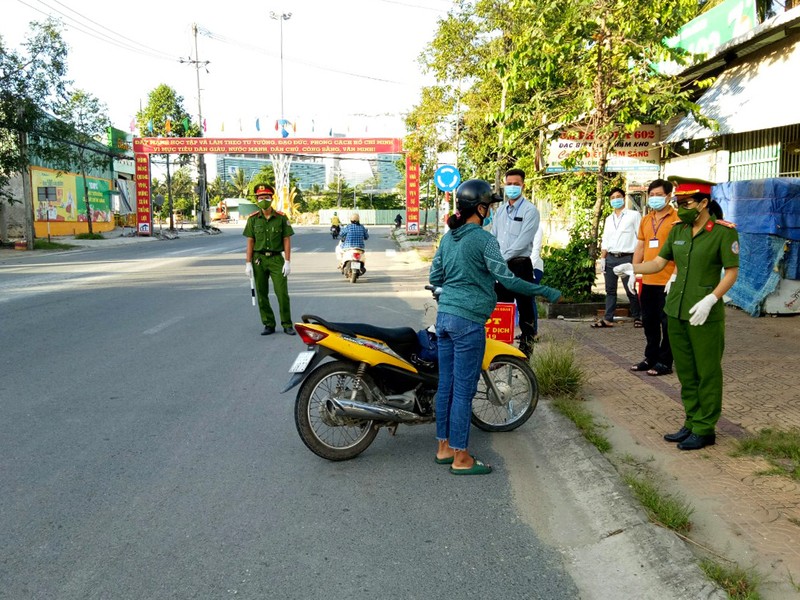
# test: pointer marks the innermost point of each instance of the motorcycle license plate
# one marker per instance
(302, 361)
(355, 265)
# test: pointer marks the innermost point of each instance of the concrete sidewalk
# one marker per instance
(740, 514)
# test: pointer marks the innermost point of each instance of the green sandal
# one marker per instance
(444, 461)
(477, 468)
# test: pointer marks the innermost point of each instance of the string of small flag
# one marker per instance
(281, 125)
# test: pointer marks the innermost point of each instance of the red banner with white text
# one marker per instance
(412, 197)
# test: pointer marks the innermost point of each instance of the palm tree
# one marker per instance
(240, 184)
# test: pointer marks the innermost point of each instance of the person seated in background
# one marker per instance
(354, 235)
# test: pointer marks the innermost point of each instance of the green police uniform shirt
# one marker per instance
(268, 233)
(700, 260)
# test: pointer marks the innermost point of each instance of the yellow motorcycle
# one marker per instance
(382, 377)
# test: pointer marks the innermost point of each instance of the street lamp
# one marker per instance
(281, 17)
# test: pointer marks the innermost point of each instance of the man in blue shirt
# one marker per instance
(354, 235)
(514, 225)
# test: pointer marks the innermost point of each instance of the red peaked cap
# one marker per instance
(687, 186)
(262, 189)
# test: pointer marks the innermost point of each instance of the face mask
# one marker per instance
(513, 191)
(688, 215)
(263, 204)
(617, 203)
(656, 202)
(489, 218)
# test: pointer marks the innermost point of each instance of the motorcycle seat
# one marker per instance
(402, 340)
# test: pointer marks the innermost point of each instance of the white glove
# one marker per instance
(669, 283)
(248, 270)
(626, 270)
(287, 268)
(700, 310)
(602, 262)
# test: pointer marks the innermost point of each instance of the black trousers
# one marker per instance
(522, 268)
(654, 320)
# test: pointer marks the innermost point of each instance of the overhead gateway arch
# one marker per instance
(143, 147)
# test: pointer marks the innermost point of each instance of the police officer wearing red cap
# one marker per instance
(269, 249)
(702, 245)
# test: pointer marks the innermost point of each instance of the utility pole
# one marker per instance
(27, 195)
(203, 212)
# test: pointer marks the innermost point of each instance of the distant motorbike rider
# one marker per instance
(354, 235)
(335, 225)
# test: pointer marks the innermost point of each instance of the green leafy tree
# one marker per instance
(240, 184)
(81, 121)
(218, 189)
(31, 82)
(589, 65)
(165, 116)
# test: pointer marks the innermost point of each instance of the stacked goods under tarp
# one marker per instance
(766, 213)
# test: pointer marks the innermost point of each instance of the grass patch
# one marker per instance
(669, 511)
(780, 448)
(739, 584)
(45, 245)
(557, 369)
(89, 236)
(584, 421)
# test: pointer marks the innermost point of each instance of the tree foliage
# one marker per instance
(82, 120)
(32, 81)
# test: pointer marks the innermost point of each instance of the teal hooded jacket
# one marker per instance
(466, 266)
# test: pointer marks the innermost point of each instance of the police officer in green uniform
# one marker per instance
(702, 245)
(269, 250)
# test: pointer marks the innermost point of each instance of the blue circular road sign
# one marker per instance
(447, 178)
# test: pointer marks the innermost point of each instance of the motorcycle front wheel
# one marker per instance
(518, 394)
(323, 432)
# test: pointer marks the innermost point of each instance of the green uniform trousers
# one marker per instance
(697, 351)
(264, 269)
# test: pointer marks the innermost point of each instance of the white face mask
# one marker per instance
(657, 202)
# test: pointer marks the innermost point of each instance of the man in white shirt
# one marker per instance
(616, 248)
(515, 224)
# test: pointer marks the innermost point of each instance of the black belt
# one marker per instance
(518, 258)
(269, 252)
(618, 254)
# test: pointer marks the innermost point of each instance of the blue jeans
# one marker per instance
(461, 347)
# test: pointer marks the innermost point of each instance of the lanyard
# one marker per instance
(657, 227)
(614, 219)
(516, 207)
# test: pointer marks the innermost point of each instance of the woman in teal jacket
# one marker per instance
(466, 266)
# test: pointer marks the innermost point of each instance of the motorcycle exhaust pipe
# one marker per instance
(371, 412)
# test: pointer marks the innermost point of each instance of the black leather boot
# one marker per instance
(695, 442)
(679, 435)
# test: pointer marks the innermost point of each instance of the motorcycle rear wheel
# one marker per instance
(519, 395)
(325, 434)
(353, 276)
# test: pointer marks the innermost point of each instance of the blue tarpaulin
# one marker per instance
(760, 257)
(766, 213)
(765, 206)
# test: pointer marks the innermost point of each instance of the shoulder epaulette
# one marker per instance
(726, 223)
(258, 212)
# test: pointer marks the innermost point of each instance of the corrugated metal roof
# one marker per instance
(761, 92)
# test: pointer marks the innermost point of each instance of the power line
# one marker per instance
(224, 40)
(103, 37)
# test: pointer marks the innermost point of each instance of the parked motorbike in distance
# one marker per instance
(381, 377)
(335, 229)
(352, 263)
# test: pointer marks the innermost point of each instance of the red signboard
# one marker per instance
(209, 145)
(143, 147)
(412, 197)
(144, 220)
(500, 325)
